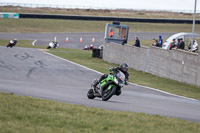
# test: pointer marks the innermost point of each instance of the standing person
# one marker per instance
(110, 33)
(160, 41)
(155, 43)
(137, 42)
(178, 43)
(182, 44)
(172, 44)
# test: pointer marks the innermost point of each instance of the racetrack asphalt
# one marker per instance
(74, 38)
(32, 72)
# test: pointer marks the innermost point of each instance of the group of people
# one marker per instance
(157, 43)
(180, 44)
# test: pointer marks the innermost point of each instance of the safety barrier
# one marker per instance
(9, 15)
(96, 18)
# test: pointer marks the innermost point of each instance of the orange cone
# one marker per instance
(67, 40)
(93, 40)
(81, 40)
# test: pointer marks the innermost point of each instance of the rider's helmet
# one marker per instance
(124, 67)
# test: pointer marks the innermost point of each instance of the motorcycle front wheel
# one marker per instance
(90, 94)
(107, 94)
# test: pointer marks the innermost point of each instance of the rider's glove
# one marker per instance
(110, 69)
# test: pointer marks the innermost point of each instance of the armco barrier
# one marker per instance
(178, 65)
(95, 18)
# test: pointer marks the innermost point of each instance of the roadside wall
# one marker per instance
(135, 57)
(178, 65)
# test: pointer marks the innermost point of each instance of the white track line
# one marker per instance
(129, 82)
(165, 92)
(73, 63)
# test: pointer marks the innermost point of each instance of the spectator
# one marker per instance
(178, 43)
(137, 42)
(193, 47)
(182, 44)
(160, 41)
(190, 44)
(155, 43)
(110, 33)
(172, 45)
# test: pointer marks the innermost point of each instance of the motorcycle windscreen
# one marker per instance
(121, 77)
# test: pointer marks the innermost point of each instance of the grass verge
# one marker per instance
(55, 25)
(24, 114)
(21, 43)
(85, 58)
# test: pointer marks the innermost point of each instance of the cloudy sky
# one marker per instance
(129, 4)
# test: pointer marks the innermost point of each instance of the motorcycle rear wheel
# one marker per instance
(107, 94)
(48, 47)
(90, 94)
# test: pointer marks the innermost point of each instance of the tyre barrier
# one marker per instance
(96, 18)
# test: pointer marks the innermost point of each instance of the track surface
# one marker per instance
(74, 38)
(34, 73)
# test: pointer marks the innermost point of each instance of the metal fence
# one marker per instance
(85, 7)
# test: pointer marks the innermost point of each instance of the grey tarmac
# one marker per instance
(74, 38)
(32, 72)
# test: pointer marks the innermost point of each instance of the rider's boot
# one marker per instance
(118, 92)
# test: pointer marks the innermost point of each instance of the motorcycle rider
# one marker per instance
(55, 44)
(123, 68)
(12, 43)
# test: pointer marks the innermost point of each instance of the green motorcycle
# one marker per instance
(108, 87)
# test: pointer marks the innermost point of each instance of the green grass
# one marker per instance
(49, 25)
(21, 43)
(54, 25)
(85, 58)
(22, 114)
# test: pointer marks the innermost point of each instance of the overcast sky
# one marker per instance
(130, 4)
